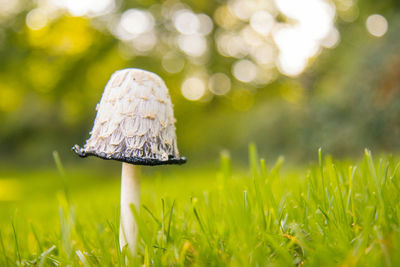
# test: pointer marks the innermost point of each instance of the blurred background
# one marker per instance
(289, 75)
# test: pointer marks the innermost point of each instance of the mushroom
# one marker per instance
(134, 124)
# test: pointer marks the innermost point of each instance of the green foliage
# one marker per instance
(51, 78)
(333, 213)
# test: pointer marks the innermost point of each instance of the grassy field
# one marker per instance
(328, 214)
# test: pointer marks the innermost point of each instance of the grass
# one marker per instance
(333, 213)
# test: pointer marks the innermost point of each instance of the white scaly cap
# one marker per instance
(135, 121)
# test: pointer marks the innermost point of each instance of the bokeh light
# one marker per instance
(85, 8)
(193, 45)
(295, 50)
(193, 88)
(7, 8)
(244, 70)
(145, 41)
(225, 18)
(173, 62)
(263, 54)
(243, 9)
(299, 42)
(262, 22)
(377, 25)
(219, 83)
(332, 39)
(265, 75)
(134, 22)
(206, 24)
(245, 29)
(186, 22)
(36, 19)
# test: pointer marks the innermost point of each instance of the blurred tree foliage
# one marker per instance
(348, 98)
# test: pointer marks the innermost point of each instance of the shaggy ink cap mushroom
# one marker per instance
(135, 121)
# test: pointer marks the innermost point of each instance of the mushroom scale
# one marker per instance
(135, 121)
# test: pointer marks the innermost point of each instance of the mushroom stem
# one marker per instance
(130, 194)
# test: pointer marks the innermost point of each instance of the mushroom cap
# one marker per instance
(135, 121)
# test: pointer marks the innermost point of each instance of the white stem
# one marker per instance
(130, 194)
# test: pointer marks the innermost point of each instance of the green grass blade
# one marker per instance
(3, 249)
(170, 221)
(36, 238)
(143, 231)
(45, 254)
(62, 173)
(152, 216)
(82, 258)
(17, 251)
(253, 160)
